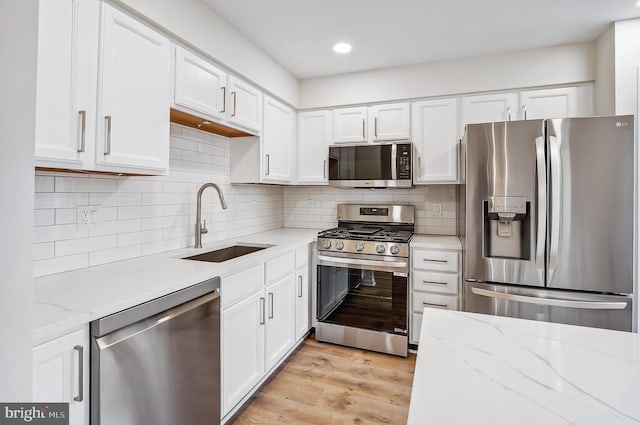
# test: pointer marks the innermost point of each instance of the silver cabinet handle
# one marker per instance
(375, 127)
(266, 167)
(107, 138)
(363, 124)
(300, 286)
(541, 170)
(262, 321)
(524, 111)
(419, 168)
(433, 281)
(433, 304)
(224, 99)
(270, 305)
(324, 169)
(235, 96)
(80, 350)
(554, 222)
(553, 302)
(429, 260)
(83, 128)
(509, 113)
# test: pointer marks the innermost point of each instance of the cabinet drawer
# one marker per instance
(424, 299)
(439, 261)
(239, 285)
(280, 266)
(444, 283)
(302, 256)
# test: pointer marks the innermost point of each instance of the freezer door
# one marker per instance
(505, 202)
(599, 311)
(590, 238)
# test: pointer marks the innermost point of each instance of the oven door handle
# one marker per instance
(325, 260)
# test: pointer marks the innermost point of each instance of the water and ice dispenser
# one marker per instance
(507, 227)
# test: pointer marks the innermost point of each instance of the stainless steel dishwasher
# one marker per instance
(158, 363)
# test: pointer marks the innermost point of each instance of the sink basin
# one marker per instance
(227, 253)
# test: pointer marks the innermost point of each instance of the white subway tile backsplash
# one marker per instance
(135, 185)
(44, 184)
(58, 233)
(44, 217)
(85, 184)
(138, 238)
(60, 200)
(116, 254)
(145, 211)
(114, 227)
(78, 246)
(66, 215)
(60, 264)
(42, 251)
(116, 199)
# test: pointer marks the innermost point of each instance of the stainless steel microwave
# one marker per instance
(372, 165)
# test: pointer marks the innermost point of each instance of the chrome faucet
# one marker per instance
(201, 229)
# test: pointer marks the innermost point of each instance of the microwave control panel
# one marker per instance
(404, 161)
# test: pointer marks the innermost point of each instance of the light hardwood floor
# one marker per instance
(330, 384)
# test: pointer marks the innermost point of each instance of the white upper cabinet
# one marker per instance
(435, 138)
(389, 122)
(199, 85)
(134, 95)
(350, 125)
(489, 108)
(314, 137)
(548, 103)
(244, 104)
(278, 141)
(65, 85)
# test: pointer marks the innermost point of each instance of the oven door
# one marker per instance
(363, 291)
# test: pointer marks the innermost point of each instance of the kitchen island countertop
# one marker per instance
(479, 369)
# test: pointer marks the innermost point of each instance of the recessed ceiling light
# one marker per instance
(344, 48)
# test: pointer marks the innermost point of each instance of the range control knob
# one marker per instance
(394, 249)
(380, 248)
(359, 246)
(326, 244)
(339, 245)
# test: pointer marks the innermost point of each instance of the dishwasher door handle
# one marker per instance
(134, 329)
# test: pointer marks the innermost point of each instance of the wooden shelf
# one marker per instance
(183, 118)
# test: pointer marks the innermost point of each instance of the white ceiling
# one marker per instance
(299, 34)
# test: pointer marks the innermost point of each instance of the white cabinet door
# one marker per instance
(134, 95)
(389, 122)
(281, 307)
(314, 137)
(303, 300)
(549, 103)
(65, 83)
(489, 108)
(278, 141)
(199, 85)
(350, 125)
(61, 374)
(435, 138)
(244, 104)
(242, 348)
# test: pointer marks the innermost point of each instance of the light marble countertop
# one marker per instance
(436, 242)
(65, 301)
(478, 369)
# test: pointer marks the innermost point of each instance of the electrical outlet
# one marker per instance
(437, 209)
(84, 217)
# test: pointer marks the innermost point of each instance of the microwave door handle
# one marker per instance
(394, 161)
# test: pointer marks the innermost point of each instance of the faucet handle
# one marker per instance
(204, 229)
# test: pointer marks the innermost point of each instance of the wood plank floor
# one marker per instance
(330, 384)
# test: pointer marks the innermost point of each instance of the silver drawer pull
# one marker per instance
(80, 350)
(429, 260)
(434, 305)
(433, 281)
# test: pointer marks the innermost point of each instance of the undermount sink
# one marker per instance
(227, 253)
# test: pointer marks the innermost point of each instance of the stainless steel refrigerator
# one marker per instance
(548, 213)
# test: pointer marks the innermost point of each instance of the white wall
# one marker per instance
(145, 215)
(604, 86)
(527, 68)
(194, 22)
(627, 60)
(18, 50)
(315, 207)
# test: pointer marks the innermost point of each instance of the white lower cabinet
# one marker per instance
(435, 282)
(61, 373)
(262, 318)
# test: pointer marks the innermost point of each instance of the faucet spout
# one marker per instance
(199, 228)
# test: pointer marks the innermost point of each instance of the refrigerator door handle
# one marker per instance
(541, 169)
(556, 173)
(553, 302)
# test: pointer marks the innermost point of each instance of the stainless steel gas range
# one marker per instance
(363, 278)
